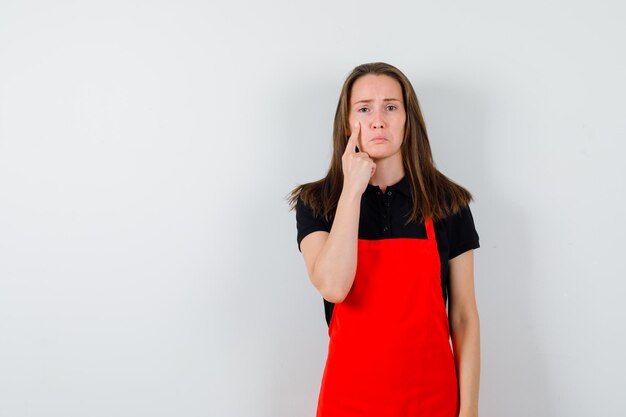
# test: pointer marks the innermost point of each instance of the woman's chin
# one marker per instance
(378, 153)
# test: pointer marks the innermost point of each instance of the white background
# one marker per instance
(148, 259)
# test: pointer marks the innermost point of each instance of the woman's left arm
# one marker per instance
(465, 331)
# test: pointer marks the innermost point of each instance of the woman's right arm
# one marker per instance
(331, 258)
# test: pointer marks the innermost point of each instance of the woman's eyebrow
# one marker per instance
(370, 100)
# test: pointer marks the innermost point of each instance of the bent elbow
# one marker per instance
(335, 297)
(333, 293)
(331, 287)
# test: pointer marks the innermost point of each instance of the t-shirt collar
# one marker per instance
(402, 186)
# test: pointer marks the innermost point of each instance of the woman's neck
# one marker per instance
(383, 180)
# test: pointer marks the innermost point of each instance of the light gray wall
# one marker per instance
(148, 262)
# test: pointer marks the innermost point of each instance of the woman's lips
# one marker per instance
(379, 139)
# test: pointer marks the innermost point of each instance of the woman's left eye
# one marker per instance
(391, 105)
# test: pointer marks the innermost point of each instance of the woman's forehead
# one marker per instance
(371, 87)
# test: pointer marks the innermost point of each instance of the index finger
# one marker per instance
(353, 140)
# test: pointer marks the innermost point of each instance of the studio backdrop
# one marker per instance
(148, 256)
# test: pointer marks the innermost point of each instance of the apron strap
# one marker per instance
(430, 229)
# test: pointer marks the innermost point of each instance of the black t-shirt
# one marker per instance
(382, 217)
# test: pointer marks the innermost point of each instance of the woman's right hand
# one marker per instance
(357, 167)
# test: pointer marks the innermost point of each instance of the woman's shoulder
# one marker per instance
(309, 217)
(460, 230)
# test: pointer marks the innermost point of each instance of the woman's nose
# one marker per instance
(377, 121)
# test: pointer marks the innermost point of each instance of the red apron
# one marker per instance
(389, 353)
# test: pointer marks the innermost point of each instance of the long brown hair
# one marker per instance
(434, 194)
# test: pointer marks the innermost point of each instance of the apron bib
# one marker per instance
(389, 353)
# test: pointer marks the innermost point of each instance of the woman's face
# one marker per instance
(377, 103)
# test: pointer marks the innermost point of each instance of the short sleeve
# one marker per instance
(307, 223)
(462, 233)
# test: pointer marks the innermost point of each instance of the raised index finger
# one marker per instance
(353, 139)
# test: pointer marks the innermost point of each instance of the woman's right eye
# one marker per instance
(362, 108)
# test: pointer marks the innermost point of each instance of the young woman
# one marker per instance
(387, 239)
